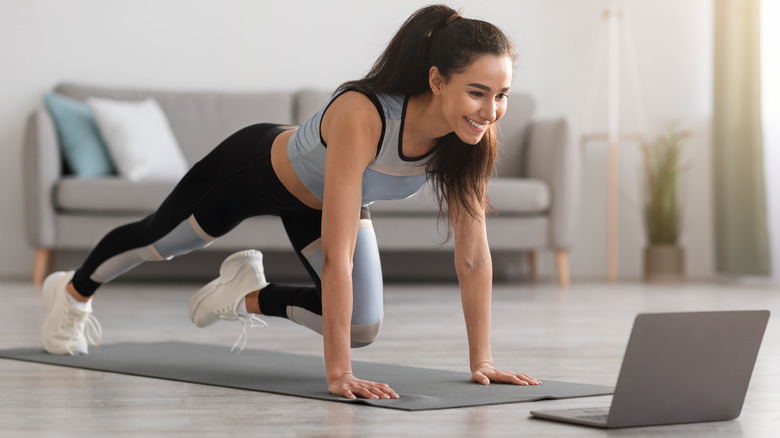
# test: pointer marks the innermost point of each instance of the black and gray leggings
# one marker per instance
(233, 182)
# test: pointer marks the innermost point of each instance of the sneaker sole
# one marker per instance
(229, 269)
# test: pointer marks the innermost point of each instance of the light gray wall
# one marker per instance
(262, 45)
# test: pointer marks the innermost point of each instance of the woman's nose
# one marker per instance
(489, 111)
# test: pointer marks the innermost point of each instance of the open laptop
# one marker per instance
(679, 368)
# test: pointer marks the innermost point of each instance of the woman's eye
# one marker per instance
(476, 93)
(502, 96)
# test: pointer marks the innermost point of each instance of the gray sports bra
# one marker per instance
(389, 176)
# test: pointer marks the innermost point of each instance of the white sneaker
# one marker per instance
(240, 274)
(66, 329)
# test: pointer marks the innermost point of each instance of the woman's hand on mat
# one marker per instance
(486, 374)
(351, 387)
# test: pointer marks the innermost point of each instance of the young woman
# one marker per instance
(426, 110)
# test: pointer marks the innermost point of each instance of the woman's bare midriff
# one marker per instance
(286, 173)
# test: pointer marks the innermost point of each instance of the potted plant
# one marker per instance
(663, 256)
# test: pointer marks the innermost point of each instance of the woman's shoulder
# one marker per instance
(354, 99)
(387, 105)
(353, 106)
(355, 112)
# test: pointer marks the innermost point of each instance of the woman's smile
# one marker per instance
(478, 127)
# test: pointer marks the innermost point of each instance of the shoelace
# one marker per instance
(248, 321)
(72, 326)
(93, 331)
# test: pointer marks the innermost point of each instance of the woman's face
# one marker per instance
(475, 98)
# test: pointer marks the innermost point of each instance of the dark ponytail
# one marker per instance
(403, 66)
(439, 36)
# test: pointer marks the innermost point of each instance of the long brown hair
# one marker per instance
(438, 36)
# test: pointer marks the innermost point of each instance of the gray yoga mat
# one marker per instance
(300, 375)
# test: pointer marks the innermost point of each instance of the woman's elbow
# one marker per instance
(470, 263)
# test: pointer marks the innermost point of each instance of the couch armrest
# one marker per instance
(41, 168)
(552, 156)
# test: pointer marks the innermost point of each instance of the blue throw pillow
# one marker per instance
(81, 144)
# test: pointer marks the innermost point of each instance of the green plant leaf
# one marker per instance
(661, 172)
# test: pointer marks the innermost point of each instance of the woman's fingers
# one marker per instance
(489, 374)
(377, 390)
(352, 387)
(530, 380)
(481, 378)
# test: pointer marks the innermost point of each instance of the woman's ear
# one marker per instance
(435, 80)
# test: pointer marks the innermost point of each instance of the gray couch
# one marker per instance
(534, 193)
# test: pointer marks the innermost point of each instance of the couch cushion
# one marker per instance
(110, 195)
(509, 196)
(201, 120)
(139, 139)
(82, 145)
(519, 196)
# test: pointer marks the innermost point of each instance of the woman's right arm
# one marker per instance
(352, 128)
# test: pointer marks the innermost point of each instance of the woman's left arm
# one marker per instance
(474, 268)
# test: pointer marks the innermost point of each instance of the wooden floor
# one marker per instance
(576, 335)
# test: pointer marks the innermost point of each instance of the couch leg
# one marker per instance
(533, 267)
(562, 261)
(43, 259)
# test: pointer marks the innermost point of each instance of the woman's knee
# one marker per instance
(364, 335)
(361, 335)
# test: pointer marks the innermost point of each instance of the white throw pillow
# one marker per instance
(139, 139)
